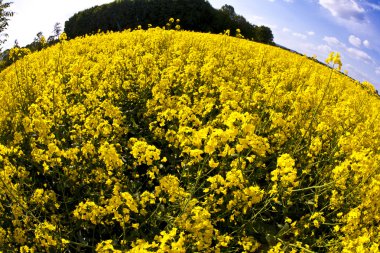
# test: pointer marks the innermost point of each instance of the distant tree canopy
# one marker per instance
(196, 15)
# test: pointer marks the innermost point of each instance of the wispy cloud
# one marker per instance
(360, 55)
(332, 41)
(377, 71)
(296, 34)
(287, 1)
(355, 41)
(373, 6)
(311, 33)
(299, 35)
(344, 9)
(355, 53)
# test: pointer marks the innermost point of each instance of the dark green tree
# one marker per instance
(195, 15)
(229, 10)
(264, 34)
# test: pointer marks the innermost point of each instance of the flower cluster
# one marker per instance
(175, 141)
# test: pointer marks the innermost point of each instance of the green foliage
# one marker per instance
(263, 34)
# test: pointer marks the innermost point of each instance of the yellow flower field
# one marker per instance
(175, 141)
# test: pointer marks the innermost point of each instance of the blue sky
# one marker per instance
(317, 27)
(311, 27)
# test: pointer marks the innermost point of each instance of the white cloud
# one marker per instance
(344, 9)
(299, 35)
(332, 41)
(355, 53)
(360, 55)
(311, 33)
(377, 71)
(355, 41)
(366, 43)
(285, 29)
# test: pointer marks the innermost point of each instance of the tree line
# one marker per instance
(195, 15)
